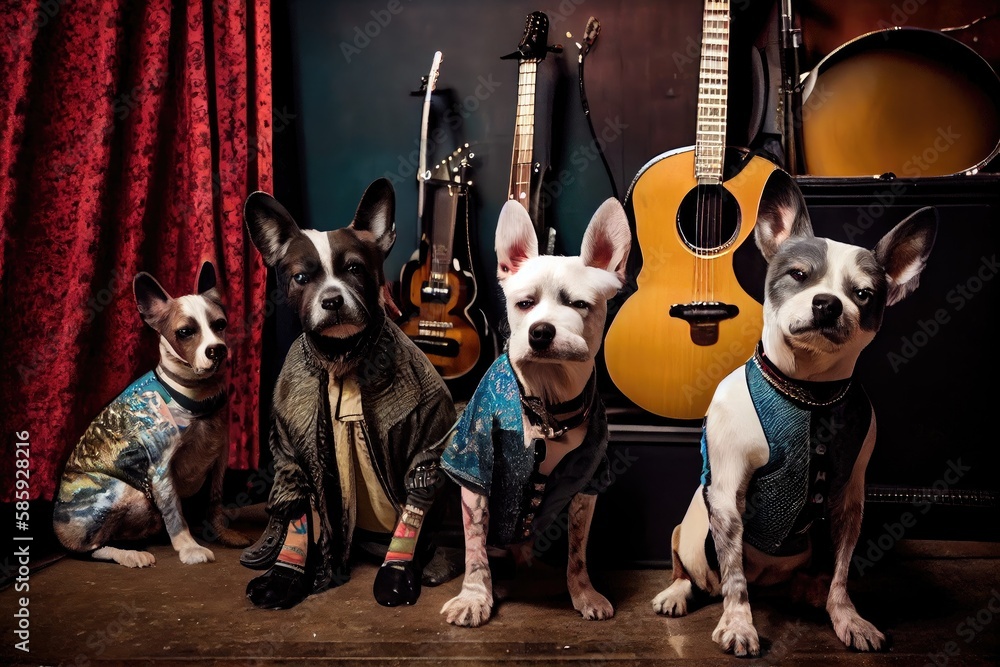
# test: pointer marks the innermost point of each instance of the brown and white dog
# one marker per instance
(532, 440)
(788, 436)
(159, 440)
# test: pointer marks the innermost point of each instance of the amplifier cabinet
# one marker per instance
(932, 370)
(932, 374)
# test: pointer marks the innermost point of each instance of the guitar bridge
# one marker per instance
(443, 347)
(435, 293)
(704, 318)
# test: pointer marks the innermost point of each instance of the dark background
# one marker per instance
(351, 116)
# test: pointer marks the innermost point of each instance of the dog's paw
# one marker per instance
(279, 588)
(196, 554)
(673, 600)
(469, 610)
(856, 632)
(126, 557)
(735, 634)
(233, 539)
(592, 605)
(397, 583)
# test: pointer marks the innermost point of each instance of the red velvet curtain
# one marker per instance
(130, 135)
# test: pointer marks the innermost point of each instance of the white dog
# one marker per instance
(533, 439)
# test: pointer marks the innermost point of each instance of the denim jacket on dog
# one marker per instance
(487, 453)
(812, 444)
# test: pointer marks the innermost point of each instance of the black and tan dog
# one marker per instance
(788, 436)
(358, 411)
(158, 441)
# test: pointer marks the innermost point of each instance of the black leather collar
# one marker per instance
(197, 408)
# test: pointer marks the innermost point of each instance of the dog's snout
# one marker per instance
(826, 309)
(333, 302)
(216, 352)
(540, 335)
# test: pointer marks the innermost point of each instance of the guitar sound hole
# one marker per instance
(708, 218)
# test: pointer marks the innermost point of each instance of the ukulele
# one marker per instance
(438, 291)
(526, 169)
(689, 323)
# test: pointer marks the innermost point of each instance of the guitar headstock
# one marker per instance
(590, 33)
(534, 43)
(456, 167)
(432, 76)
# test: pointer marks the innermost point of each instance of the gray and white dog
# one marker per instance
(788, 436)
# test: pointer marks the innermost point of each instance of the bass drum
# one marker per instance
(909, 101)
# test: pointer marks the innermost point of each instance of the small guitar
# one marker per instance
(527, 172)
(689, 322)
(437, 290)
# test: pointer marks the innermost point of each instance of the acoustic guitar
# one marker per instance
(438, 289)
(689, 322)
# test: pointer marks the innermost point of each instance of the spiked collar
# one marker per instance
(805, 393)
(574, 412)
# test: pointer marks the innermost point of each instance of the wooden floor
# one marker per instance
(937, 599)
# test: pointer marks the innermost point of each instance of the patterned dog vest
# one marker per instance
(814, 433)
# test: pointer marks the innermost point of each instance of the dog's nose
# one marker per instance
(216, 352)
(540, 335)
(826, 309)
(333, 302)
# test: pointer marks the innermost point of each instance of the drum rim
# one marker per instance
(807, 80)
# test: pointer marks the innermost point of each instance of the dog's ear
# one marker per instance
(516, 239)
(207, 278)
(150, 298)
(781, 215)
(607, 241)
(207, 284)
(377, 214)
(903, 251)
(271, 226)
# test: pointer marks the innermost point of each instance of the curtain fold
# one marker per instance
(130, 135)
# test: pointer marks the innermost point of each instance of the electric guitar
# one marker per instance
(438, 290)
(527, 171)
(689, 322)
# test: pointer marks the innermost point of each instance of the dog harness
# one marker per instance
(487, 453)
(814, 433)
(131, 436)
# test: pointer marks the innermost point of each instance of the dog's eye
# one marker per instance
(798, 275)
(863, 294)
(301, 278)
(219, 325)
(525, 304)
(355, 268)
(579, 303)
(184, 333)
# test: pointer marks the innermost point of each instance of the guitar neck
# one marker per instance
(442, 240)
(713, 93)
(522, 159)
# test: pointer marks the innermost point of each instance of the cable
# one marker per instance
(590, 34)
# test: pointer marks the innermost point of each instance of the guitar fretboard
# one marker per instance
(443, 225)
(713, 92)
(524, 134)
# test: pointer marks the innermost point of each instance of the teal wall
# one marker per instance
(356, 64)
